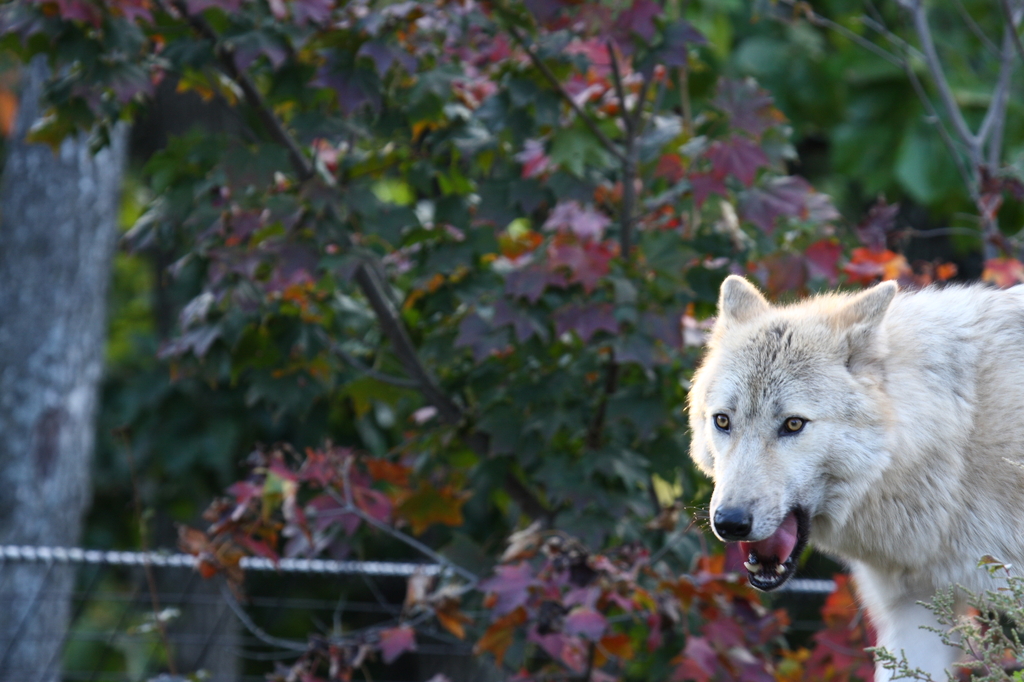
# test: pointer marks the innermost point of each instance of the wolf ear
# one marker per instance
(869, 307)
(860, 318)
(739, 301)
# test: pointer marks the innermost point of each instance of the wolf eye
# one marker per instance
(722, 422)
(793, 425)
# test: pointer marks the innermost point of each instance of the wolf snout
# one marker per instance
(733, 523)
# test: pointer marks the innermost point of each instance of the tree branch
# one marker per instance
(975, 29)
(1013, 24)
(991, 131)
(552, 79)
(225, 57)
(931, 58)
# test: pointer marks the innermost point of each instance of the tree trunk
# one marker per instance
(58, 214)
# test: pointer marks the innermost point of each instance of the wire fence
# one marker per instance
(125, 627)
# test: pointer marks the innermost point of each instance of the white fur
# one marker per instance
(910, 464)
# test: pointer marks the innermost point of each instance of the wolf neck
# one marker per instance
(905, 512)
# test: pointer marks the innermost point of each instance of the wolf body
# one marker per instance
(885, 427)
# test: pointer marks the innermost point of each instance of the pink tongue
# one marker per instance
(779, 544)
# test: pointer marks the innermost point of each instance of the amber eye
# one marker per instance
(722, 422)
(793, 424)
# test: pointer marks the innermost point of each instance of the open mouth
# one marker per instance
(772, 561)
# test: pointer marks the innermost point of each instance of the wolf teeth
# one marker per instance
(780, 569)
(752, 567)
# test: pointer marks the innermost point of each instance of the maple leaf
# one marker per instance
(785, 196)
(1003, 272)
(534, 159)
(678, 37)
(822, 258)
(373, 502)
(698, 662)
(228, 6)
(510, 586)
(704, 184)
(637, 20)
(584, 222)
(670, 167)
(586, 319)
(452, 619)
(476, 334)
(528, 282)
(873, 231)
(585, 621)
(500, 635)
(396, 641)
(391, 472)
(505, 313)
(749, 107)
(618, 645)
(866, 266)
(738, 157)
(587, 262)
(430, 504)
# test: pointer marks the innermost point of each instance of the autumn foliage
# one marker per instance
(475, 245)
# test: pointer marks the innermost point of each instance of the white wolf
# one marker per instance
(885, 428)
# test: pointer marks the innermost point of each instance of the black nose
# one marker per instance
(733, 523)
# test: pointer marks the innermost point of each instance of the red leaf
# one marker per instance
(738, 157)
(698, 661)
(1003, 272)
(499, 636)
(510, 585)
(786, 196)
(373, 502)
(703, 184)
(396, 641)
(876, 226)
(823, 259)
(670, 167)
(522, 324)
(256, 546)
(584, 222)
(535, 161)
(585, 621)
(638, 20)
(587, 262)
(749, 107)
(866, 266)
(586, 320)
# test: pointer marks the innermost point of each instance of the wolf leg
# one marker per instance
(902, 625)
(901, 630)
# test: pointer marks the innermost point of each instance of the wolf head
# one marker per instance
(789, 418)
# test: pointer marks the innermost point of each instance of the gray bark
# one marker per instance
(58, 214)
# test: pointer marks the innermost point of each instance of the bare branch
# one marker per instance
(620, 91)
(355, 363)
(975, 29)
(348, 507)
(931, 58)
(557, 85)
(256, 631)
(991, 130)
(1013, 23)
(824, 22)
(403, 347)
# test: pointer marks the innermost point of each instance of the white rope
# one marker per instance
(76, 555)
